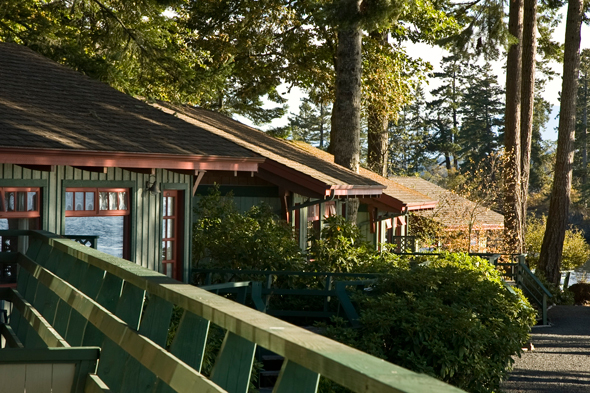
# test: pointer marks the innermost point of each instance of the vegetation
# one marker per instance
(576, 250)
(450, 316)
(231, 240)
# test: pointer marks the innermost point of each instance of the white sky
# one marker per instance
(434, 56)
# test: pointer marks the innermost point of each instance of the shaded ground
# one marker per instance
(560, 362)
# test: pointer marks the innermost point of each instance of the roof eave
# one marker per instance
(87, 158)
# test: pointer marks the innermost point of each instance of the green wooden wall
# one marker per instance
(146, 214)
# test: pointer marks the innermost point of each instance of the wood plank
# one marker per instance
(233, 366)
(13, 377)
(296, 379)
(45, 331)
(95, 385)
(190, 340)
(62, 377)
(130, 305)
(9, 335)
(38, 378)
(154, 325)
(176, 374)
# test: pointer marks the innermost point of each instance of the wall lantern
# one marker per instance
(153, 188)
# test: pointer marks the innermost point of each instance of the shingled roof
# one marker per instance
(45, 106)
(395, 195)
(285, 161)
(453, 211)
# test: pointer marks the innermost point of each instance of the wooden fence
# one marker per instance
(70, 295)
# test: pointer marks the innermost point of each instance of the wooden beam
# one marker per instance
(42, 168)
(190, 172)
(198, 179)
(145, 171)
(96, 169)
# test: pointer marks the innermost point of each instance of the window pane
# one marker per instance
(69, 200)
(9, 197)
(169, 253)
(123, 200)
(79, 201)
(164, 251)
(103, 200)
(168, 269)
(89, 201)
(113, 201)
(108, 228)
(164, 206)
(170, 206)
(32, 201)
(170, 228)
(21, 201)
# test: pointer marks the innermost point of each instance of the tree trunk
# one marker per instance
(377, 126)
(346, 113)
(529, 50)
(552, 247)
(512, 175)
(377, 140)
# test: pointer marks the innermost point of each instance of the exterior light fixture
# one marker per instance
(152, 186)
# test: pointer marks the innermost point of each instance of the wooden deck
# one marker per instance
(69, 295)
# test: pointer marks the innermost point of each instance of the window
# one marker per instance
(19, 209)
(102, 212)
(88, 202)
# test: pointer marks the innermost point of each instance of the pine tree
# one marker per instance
(312, 124)
(443, 111)
(408, 139)
(482, 117)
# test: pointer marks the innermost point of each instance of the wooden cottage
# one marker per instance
(80, 158)
(301, 185)
(464, 225)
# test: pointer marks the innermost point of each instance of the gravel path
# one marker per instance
(560, 362)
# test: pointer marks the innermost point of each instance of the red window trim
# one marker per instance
(97, 211)
(20, 214)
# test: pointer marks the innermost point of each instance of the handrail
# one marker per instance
(93, 278)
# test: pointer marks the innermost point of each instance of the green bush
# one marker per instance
(341, 249)
(452, 319)
(576, 251)
(229, 239)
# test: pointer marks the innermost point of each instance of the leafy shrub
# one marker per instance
(341, 249)
(256, 239)
(452, 319)
(576, 251)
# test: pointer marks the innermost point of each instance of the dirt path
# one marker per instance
(560, 362)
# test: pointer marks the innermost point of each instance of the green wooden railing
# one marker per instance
(87, 240)
(73, 295)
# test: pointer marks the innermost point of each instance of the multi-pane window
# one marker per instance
(102, 212)
(19, 202)
(85, 202)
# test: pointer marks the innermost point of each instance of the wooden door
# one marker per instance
(172, 234)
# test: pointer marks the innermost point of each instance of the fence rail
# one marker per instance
(89, 298)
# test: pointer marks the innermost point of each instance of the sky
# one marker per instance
(434, 56)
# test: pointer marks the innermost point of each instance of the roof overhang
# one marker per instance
(388, 203)
(86, 158)
(301, 183)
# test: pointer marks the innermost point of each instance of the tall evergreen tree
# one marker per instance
(312, 124)
(408, 139)
(580, 173)
(482, 118)
(552, 247)
(443, 110)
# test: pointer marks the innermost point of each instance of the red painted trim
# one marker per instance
(89, 158)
